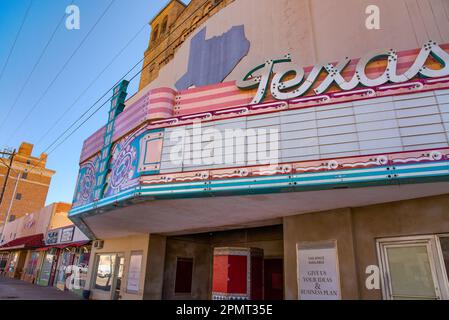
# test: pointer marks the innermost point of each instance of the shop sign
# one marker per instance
(52, 237)
(281, 89)
(67, 234)
(318, 275)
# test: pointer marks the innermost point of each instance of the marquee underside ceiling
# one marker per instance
(187, 216)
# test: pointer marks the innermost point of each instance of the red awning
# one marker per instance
(79, 244)
(34, 241)
(66, 245)
(73, 244)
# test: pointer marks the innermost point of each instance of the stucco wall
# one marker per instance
(155, 264)
(356, 231)
(124, 246)
(334, 225)
(316, 30)
(181, 22)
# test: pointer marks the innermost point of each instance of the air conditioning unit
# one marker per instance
(98, 244)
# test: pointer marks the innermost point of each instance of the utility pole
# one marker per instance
(11, 160)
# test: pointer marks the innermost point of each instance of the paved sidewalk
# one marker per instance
(11, 289)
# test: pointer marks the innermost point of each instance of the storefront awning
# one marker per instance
(65, 245)
(34, 241)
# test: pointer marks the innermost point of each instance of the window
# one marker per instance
(184, 273)
(164, 25)
(444, 243)
(28, 162)
(46, 269)
(155, 33)
(25, 175)
(32, 263)
(3, 262)
(414, 267)
(18, 196)
(105, 272)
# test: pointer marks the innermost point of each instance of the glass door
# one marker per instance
(109, 274)
(412, 269)
(47, 265)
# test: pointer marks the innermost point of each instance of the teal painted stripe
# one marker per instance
(348, 178)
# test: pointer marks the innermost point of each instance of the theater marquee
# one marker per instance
(298, 85)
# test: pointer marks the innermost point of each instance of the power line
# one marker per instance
(54, 125)
(87, 111)
(108, 91)
(61, 71)
(44, 50)
(16, 38)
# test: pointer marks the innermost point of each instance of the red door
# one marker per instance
(273, 279)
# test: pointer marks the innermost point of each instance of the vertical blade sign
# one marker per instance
(117, 106)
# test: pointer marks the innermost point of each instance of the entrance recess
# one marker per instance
(273, 279)
(413, 268)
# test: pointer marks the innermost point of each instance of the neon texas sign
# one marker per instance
(298, 86)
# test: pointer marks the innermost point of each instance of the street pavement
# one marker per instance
(12, 289)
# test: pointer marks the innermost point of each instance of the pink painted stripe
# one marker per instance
(94, 139)
(162, 90)
(202, 93)
(208, 99)
(158, 106)
(214, 107)
(129, 121)
(163, 95)
(235, 91)
(92, 148)
(205, 88)
(211, 101)
(124, 117)
(160, 110)
(403, 66)
(410, 54)
(162, 100)
(123, 122)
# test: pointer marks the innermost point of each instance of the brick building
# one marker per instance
(169, 30)
(32, 186)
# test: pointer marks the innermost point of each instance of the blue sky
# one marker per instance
(120, 24)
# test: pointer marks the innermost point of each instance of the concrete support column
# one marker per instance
(154, 277)
(335, 225)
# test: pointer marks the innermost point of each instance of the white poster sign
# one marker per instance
(135, 265)
(318, 275)
(67, 234)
